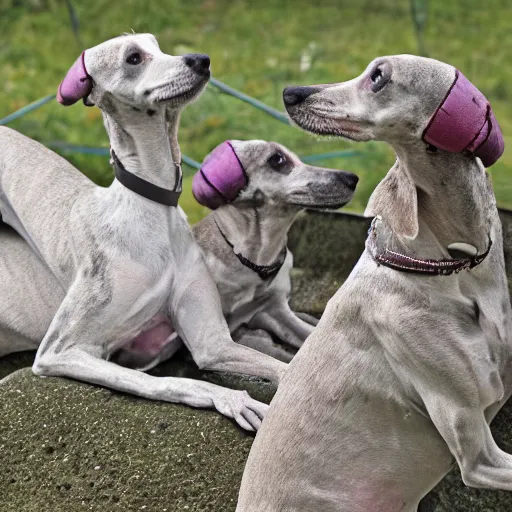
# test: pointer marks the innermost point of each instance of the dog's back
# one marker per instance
(37, 191)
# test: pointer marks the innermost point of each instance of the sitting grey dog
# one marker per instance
(123, 259)
(413, 356)
(256, 189)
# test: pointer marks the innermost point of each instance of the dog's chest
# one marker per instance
(493, 369)
(459, 334)
(140, 253)
(242, 292)
(138, 291)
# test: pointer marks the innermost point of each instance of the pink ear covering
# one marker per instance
(465, 121)
(77, 83)
(220, 179)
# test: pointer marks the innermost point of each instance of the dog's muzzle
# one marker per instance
(464, 121)
(221, 178)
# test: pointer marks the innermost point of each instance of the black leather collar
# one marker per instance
(266, 272)
(145, 188)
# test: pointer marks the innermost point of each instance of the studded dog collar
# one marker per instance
(430, 267)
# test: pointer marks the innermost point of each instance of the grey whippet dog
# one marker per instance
(256, 189)
(413, 356)
(124, 256)
(264, 198)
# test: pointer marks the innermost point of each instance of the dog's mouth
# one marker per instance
(324, 204)
(167, 94)
(321, 122)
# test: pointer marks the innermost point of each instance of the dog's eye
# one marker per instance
(377, 79)
(277, 161)
(134, 59)
(376, 76)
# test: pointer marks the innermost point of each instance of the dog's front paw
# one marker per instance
(246, 411)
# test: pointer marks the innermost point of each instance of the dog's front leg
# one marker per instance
(281, 321)
(466, 432)
(306, 317)
(196, 313)
(262, 341)
(74, 347)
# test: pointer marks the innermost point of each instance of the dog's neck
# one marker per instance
(257, 233)
(147, 146)
(432, 200)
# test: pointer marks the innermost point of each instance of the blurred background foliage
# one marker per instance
(258, 48)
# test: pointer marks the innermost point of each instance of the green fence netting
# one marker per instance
(419, 11)
(226, 89)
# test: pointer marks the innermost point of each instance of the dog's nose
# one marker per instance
(295, 95)
(199, 62)
(350, 180)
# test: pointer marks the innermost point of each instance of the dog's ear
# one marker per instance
(77, 84)
(221, 177)
(464, 121)
(396, 200)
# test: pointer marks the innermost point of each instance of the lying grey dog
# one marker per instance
(124, 257)
(413, 355)
(266, 195)
(256, 190)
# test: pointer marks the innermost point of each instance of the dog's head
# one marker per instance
(131, 72)
(399, 99)
(256, 172)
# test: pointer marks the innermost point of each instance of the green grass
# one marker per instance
(255, 47)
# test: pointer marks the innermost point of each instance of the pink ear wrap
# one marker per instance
(465, 121)
(77, 83)
(220, 179)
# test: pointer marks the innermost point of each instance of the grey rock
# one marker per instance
(67, 446)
